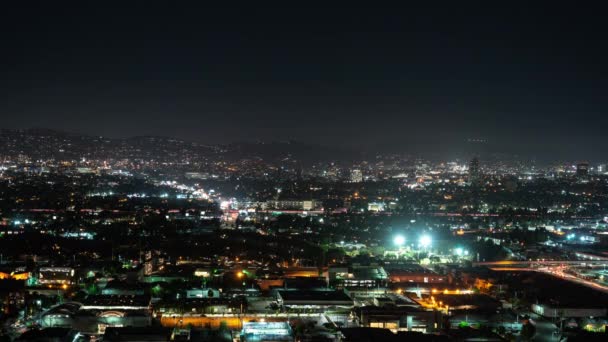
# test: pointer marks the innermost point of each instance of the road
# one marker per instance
(544, 329)
(545, 332)
(542, 263)
(558, 272)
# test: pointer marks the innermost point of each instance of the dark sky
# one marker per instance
(527, 79)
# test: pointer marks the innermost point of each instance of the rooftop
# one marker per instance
(315, 296)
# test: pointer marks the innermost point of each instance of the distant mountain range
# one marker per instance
(51, 144)
(40, 143)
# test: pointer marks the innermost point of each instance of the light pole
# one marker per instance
(399, 241)
(424, 242)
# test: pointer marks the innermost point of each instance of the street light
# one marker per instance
(399, 240)
(425, 241)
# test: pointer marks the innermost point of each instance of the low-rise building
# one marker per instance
(314, 299)
(266, 331)
(398, 318)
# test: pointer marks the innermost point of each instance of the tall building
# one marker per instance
(582, 169)
(474, 171)
(356, 176)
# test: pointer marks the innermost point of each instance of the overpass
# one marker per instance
(528, 263)
(558, 273)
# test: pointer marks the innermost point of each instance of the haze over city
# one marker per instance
(417, 78)
(188, 172)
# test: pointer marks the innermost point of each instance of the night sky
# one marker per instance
(529, 80)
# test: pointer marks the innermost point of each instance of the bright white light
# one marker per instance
(466, 252)
(425, 241)
(399, 240)
(458, 251)
(225, 205)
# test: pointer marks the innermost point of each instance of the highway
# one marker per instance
(556, 272)
(542, 263)
(559, 272)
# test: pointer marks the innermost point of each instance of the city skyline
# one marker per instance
(177, 171)
(527, 80)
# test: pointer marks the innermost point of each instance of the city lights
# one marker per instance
(246, 185)
(399, 240)
(425, 241)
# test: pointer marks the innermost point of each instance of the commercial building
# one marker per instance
(357, 276)
(266, 331)
(398, 318)
(291, 204)
(413, 273)
(94, 321)
(122, 303)
(202, 293)
(554, 311)
(211, 305)
(356, 176)
(55, 275)
(314, 299)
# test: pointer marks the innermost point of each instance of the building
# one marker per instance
(198, 306)
(582, 169)
(474, 171)
(413, 273)
(398, 318)
(202, 293)
(553, 311)
(313, 299)
(301, 272)
(376, 206)
(118, 302)
(122, 288)
(356, 176)
(357, 276)
(56, 275)
(466, 302)
(291, 204)
(94, 320)
(266, 331)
